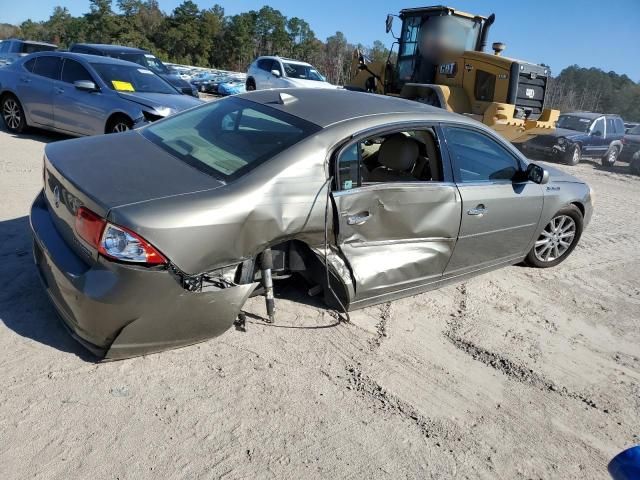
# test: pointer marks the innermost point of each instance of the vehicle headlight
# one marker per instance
(163, 111)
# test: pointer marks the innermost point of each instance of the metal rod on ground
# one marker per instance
(266, 264)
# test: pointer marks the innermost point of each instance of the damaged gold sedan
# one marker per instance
(154, 238)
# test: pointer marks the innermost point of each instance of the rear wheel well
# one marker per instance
(111, 121)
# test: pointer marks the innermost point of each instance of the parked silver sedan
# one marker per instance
(155, 241)
(84, 94)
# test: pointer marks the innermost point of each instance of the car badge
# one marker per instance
(56, 195)
(530, 92)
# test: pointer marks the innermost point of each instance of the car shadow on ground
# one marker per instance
(39, 135)
(24, 306)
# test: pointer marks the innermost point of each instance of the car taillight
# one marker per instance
(89, 226)
(123, 245)
(114, 242)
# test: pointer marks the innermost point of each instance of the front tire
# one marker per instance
(610, 158)
(13, 114)
(251, 85)
(558, 238)
(119, 124)
(634, 166)
(573, 156)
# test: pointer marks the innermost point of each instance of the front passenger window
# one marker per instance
(478, 158)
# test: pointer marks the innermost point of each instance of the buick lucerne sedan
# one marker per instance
(79, 94)
(155, 241)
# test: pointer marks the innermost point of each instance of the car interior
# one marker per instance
(410, 156)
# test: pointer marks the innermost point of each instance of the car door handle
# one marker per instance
(358, 218)
(478, 211)
(59, 90)
(25, 80)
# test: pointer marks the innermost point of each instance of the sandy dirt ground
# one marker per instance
(517, 374)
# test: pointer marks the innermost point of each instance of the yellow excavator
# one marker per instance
(440, 60)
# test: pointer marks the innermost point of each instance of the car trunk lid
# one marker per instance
(108, 171)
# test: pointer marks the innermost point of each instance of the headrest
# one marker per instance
(398, 152)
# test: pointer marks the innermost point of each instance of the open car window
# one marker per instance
(376, 159)
(230, 137)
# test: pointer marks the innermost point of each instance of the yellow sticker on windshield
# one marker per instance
(122, 86)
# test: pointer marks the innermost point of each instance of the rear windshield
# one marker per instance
(573, 122)
(126, 78)
(229, 137)
(27, 48)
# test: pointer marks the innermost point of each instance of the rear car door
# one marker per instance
(397, 236)
(78, 111)
(35, 89)
(500, 210)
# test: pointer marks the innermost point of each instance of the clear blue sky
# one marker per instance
(604, 34)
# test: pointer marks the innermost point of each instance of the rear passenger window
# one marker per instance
(478, 158)
(73, 71)
(611, 129)
(619, 126)
(48, 67)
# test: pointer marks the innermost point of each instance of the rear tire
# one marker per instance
(558, 238)
(119, 124)
(13, 114)
(573, 156)
(634, 165)
(610, 158)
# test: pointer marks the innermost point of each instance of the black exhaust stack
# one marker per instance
(482, 41)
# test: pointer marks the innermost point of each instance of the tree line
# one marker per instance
(201, 37)
(209, 38)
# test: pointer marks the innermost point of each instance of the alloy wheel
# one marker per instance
(556, 238)
(11, 113)
(576, 155)
(612, 156)
(120, 127)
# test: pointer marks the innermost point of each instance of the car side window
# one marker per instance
(478, 158)
(48, 66)
(73, 71)
(619, 126)
(598, 126)
(264, 64)
(30, 64)
(400, 156)
(611, 129)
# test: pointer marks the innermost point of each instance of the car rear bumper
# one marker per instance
(119, 311)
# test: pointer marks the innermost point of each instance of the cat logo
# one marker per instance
(530, 92)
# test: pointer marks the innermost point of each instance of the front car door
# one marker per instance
(397, 235)
(35, 89)
(500, 209)
(596, 145)
(78, 111)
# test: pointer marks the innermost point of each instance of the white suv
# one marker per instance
(277, 72)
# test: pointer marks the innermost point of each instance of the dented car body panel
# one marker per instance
(380, 240)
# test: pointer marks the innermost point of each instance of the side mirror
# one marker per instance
(85, 85)
(596, 133)
(389, 23)
(537, 174)
(275, 73)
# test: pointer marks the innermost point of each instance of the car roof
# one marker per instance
(86, 57)
(285, 59)
(104, 47)
(590, 115)
(325, 107)
(31, 42)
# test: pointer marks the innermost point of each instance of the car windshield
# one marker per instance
(573, 122)
(146, 60)
(228, 138)
(125, 78)
(305, 72)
